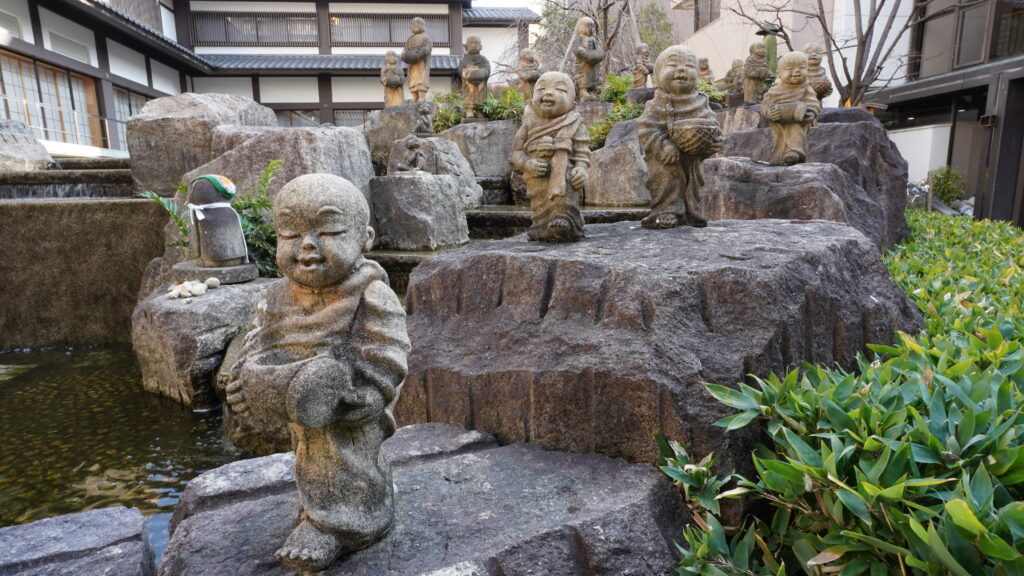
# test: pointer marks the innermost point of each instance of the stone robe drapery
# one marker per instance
(552, 196)
(642, 70)
(528, 72)
(417, 55)
(392, 78)
(474, 71)
(587, 77)
(755, 70)
(789, 133)
(359, 328)
(675, 188)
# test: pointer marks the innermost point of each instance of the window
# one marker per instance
(971, 35)
(298, 118)
(1009, 28)
(254, 29)
(384, 30)
(11, 23)
(69, 48)
(126, 105)
(706, 12)
(352, 118)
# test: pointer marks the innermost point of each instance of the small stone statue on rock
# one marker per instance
(392, 77)
(732, 84)
(704, 68)
(425, 119)
(589, 56)
(643, 67)
(552, 150)
(755, 72)
(678, 131)
(528, 71)
(474, 70)
(417, 55)
(791, 107)
(218, 241)
(415, 161)
(816, 76)
(327, 353)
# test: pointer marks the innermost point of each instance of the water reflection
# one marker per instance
(78, 432)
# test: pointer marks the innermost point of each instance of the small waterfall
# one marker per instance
(80, 183)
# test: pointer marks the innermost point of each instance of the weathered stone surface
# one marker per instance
(618, 173)
(385, 126)
(740, 118)
(443, 157)
(418, 212)
(861, 149)
(19, 149)
(845, 115)
(174, 135)
(496, 190)
(639, 95)
(487, 145)
(497, 222)
(180, 343)
(104, 541)
(741, 189)
(593, 112)
(464, 506)
(597, 346)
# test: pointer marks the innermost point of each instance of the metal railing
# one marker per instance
(58, 124)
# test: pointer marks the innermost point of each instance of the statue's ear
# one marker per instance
(370, 235)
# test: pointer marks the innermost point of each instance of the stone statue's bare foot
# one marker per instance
(660, 222)
(308, 548)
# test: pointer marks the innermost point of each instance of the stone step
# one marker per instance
(75, 163)
(105, 176)
(492, 222)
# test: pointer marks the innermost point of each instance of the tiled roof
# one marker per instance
(472, 16)
(318, 62)
(151, 34)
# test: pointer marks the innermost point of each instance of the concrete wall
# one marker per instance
(500, 46)
(71, 274)
(278, 89)
(19, 9)
(357, 89)
(127, 63)
(237, 86)
(54, 24)
(165, 78)
(925, 148)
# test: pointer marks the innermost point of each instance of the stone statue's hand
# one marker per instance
(810, 116)
(536, 167)
(669, 153)
(236, 397)
(774, 113)
(578, 177)
(544, 146)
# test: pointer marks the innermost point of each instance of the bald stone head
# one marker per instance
(792, 69)
(675, 70)
(553, 95)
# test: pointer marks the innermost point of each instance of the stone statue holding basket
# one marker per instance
(791, 107)
(643, 67)
(474, 70)
(816, 75)
(392, 77)
(755, 72)
(678, 131)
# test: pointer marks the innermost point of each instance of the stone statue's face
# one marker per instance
(585, 28)
(758, 50)
(417, 27)
(703, 63)
(391, 58)
(677, 74)
(552, 97)
(814, 59)
(793, 72)
(318, 243)
(473, 45)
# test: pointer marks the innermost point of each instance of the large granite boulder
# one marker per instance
(599, 345)
(846, 115)
(861, 149)
(180, 344)
(174, 134)
(465, 506)
(740, 118)
(19, 149)
(741, 189)
(487, 146)
(385, 126)
(110, 541)
(418, 212)
(442, 157)
(618, 173)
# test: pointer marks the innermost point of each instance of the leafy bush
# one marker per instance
(619, 113)
(947, 184)
(615, 88)
(449, 111)
(914, 465)
(708, 88)
(179, 215)
(507, 106)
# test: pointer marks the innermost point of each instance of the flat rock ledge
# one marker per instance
(104, 541)
(465, 507)
(599, 345)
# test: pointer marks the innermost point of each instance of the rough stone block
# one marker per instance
(385, 126)
(487, 146)
(618, 173)
(418, 212)
(442, 157)
(740, 118)
(19, 149)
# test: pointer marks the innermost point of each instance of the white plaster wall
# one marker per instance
(439, 84)
(253, 6)
(59, 25)
(357, 89)
(19, 9)
(437, 51)
(500, 46)
(165, 78)
(257, 50)
(240, 86)
(169, 28)
(386, 8)
(925, 148)
(126, 63)
(276, 89)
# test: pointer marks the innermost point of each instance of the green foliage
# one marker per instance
(912, 465)
(449, 111)
(507, 106)
(947, 184)
(619, 113)
(615, 88)
(708, 88)
(178, 215)
(655, 27)
(257, 218)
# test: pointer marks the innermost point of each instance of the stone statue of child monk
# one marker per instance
(327, 353)
(643, 67)
(474, 70)
(216, 225)
(589, 56)
(552, 150)
(528, 71)
(678, 131)
(817, 78)
(755, 72)
(392, 77)
(414, 160)
(417, 55)
(791, 107)
(705, 69)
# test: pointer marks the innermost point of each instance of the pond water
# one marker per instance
(78, 432)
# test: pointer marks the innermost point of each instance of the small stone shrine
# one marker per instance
(755, 72)
(791, 107)
(217, 239)
(392, 77)
(327, 353)
(642, 69)
(678, 131)
(417, 55)
(474, 69)
(817, 77)
(551, 150)
(528, 71)
(589, 55)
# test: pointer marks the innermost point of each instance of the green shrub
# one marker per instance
(615, 88)
(913, 465)
(947, 184)
(619, 113)
(708, 88)
(507, 106)
(449, 111)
